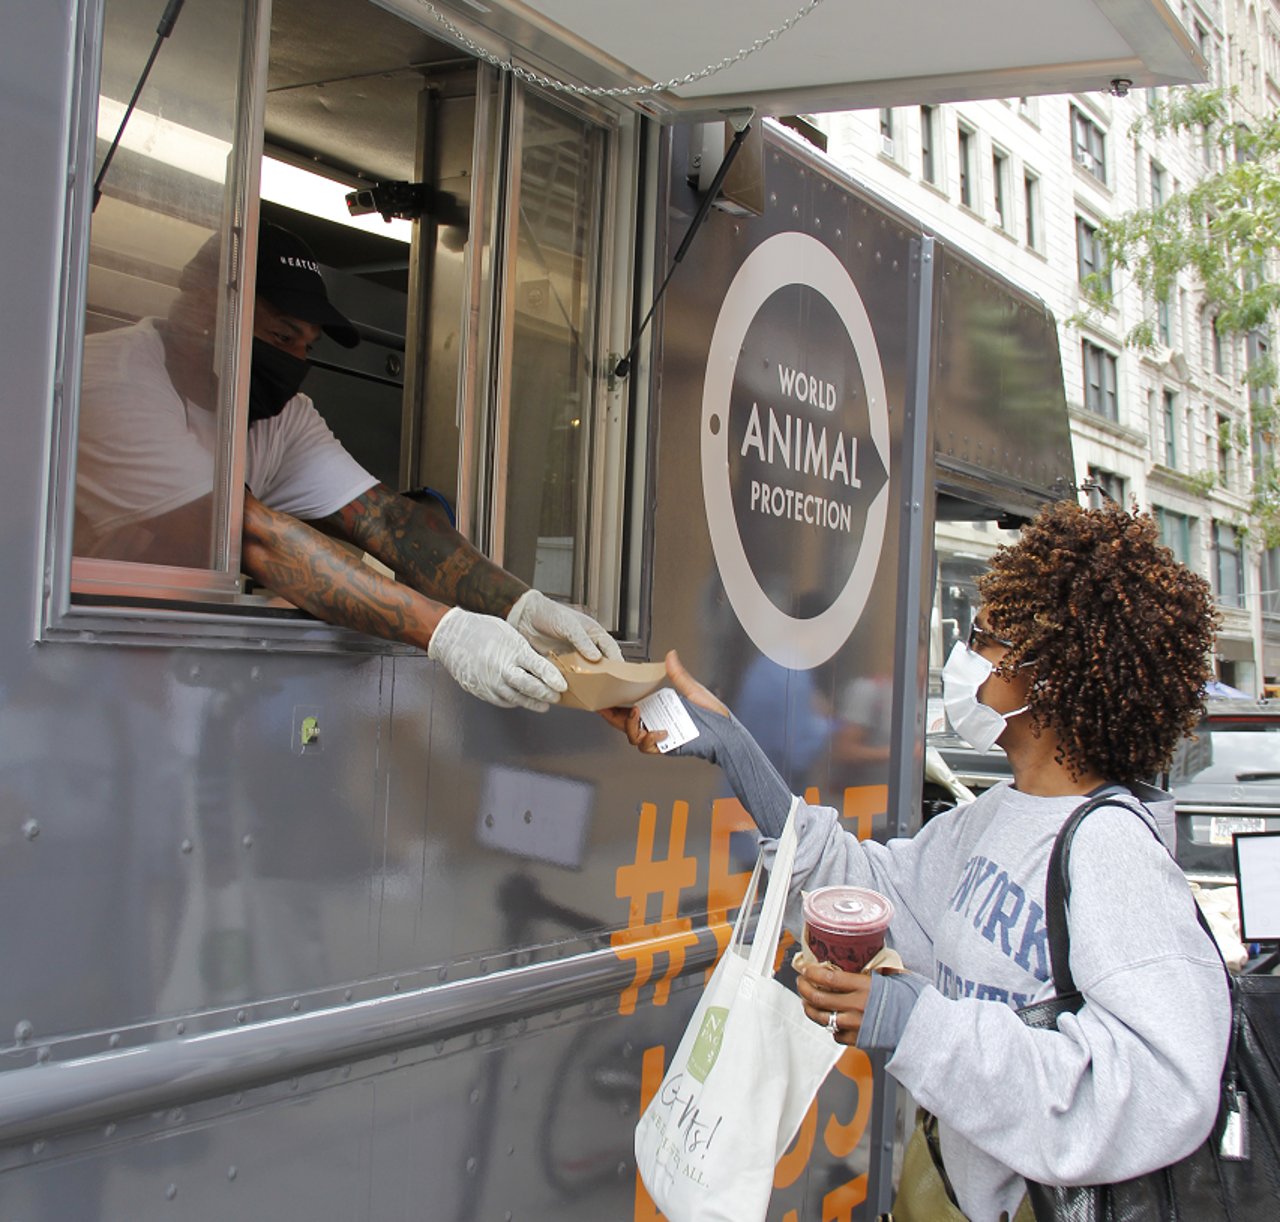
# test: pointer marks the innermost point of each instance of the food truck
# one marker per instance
(296, 928)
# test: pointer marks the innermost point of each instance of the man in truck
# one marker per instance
(145, 479)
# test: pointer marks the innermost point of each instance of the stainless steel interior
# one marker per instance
(344, 81)
(360, 96)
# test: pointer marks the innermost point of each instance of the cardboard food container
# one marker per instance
(606, 684)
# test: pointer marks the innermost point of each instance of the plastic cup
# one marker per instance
(845, 926)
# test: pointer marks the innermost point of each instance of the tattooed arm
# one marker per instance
(324, 578)
(485, 655)
(414, 540)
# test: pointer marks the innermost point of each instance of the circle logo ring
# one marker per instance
(782, 260)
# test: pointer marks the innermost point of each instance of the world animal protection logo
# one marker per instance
(795, 449)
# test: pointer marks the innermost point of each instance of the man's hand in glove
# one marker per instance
(535, 615)
(489, 659)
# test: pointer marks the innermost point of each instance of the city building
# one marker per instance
(1023, 184)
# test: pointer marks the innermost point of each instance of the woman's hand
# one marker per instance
(628, 720)
(827, 990)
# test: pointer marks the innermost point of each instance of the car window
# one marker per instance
(1235, 754)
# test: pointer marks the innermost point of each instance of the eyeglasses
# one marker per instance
(978, 637)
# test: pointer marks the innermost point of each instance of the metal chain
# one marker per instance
(592, 91)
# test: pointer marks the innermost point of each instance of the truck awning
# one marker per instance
(838, 54)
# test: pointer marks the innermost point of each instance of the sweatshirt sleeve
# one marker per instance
(912, 872)
(1127, 1084)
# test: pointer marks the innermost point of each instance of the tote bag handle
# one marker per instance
(769, 927)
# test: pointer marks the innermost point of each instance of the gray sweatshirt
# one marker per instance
(1128, 1084)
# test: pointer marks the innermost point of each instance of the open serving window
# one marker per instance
(486, 262)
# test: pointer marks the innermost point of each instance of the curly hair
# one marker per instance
(1120, 633)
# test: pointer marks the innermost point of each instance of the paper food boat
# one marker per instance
(606, 684)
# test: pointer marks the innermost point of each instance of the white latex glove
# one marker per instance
(534, 615)
(489, 659)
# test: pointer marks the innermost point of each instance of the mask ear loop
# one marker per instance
(1026, 708)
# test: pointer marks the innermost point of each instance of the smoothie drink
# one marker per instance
(845, 926)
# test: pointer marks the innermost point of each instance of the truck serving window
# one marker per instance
(157, 458)
(479, 235)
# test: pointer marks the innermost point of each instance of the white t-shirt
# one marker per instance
(145, 451)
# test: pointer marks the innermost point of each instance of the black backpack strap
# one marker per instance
(1068, 1000)
(1057, 886)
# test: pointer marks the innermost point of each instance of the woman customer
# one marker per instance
(1088, 661)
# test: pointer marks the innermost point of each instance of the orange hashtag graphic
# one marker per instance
(643, 940)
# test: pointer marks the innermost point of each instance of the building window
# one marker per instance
(1219, 348)
(1206, 49)
(1223, 443)
(1105, 487)
(1157, 184)
(1031, 206)
(1228, 564)
(928, 143)
(1164, 321)
(887, 145)
(1100, 381)
(1089, 144)
(964, 145)
(1270, 593)
(999, 190)
(1169, 408)
(1089, 255)
(1175, 533)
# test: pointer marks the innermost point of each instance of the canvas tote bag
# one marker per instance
(740, 1082)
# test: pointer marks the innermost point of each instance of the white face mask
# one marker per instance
(977, 723)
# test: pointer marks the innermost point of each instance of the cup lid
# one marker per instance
(844, 909)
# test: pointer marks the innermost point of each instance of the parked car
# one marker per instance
(1226, 780)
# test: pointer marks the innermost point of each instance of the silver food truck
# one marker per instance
(294, 928)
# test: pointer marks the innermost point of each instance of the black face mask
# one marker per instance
(274, 378)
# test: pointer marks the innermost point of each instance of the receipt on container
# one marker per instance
(664, 710)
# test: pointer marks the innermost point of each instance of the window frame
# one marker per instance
(966, 138)
(1170, 521)
(1087, 234)
(929, 145)
(1169, 424)
(486, 415)
(1089, 145)
(1164, 320)
(1000, 201)
(1095, 357)
(888, 134)
(88, 598)
(1031, 204)
(1108, 483)
(1222, 558)
(129, 603)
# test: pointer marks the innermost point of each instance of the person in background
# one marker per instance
(1087, 663)
(145, 474)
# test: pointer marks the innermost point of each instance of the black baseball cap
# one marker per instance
(289, 278)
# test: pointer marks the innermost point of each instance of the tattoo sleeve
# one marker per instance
(416, 542)
(324, 578)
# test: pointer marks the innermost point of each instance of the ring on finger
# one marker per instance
(832, 1018)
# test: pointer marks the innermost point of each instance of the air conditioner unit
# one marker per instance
(886, 146)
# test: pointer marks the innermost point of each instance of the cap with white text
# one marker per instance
(289, 278)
